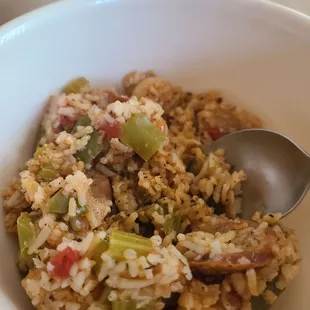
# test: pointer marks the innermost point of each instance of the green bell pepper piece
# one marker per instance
(91, 150)
(121, 240)
(142, 136)
(26, 233)
(47, 173)
(58, 203)
(173, 223)
(75, 86)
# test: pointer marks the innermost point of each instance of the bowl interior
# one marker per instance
(256, 52)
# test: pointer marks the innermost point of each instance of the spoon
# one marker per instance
(277, 169)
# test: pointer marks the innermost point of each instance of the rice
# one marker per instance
(122, 111)
(79, 184)
(84, 200)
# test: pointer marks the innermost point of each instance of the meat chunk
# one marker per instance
(253, 245)
(223, 224)
(99, 200)
(101, 187)
(226, 120)
(234, 262)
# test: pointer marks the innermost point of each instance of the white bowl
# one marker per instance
(255, 51)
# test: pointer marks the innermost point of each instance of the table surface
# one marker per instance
(13, 8)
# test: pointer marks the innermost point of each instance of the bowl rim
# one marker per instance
(50, 10)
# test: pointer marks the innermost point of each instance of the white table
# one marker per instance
(13, 8)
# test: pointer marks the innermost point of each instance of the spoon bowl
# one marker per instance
(277, 169)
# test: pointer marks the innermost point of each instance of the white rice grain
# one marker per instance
(77, 282)
(252, 282)
(130, 254)
(73, 270)
(86, 242)
(40, 240)
(113, 295)
(154, 259)
(72, 207)
(122, 283)
(133, 268)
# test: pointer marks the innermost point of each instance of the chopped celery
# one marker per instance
(124, 305)
(75, 86)
(82, 121)
(26, 233)
(101, 247)
(173, 223)
(142, 136)
(121, 240)
(80, 210)
(47, 173)
(59, 203)
(92, 149)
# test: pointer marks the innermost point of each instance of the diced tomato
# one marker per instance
(214, 133)
(111, 130)
(63, 261)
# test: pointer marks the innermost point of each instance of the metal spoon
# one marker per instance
(277, 169)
